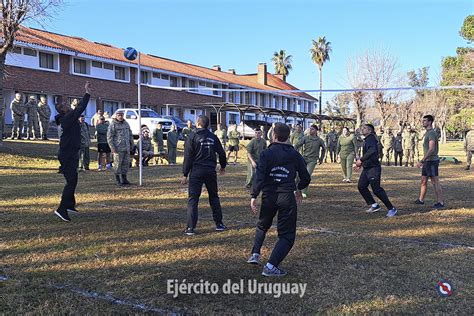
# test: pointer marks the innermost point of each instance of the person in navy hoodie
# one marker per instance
(69, 145)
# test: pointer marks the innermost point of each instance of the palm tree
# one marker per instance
(282, 63)
(320, 54)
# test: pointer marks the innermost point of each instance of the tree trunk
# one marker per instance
(320, 89)
(2, 99)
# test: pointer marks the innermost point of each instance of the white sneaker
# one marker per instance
(374, 209)
(392, 212)
(344, 180)
(254, 259)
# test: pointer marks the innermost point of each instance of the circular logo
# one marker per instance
(130, 53)
(444, 288)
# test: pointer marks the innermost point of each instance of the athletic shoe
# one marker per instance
(63, 215)
(438, 205)
(392, 212)
(467, 168)
(274, 272)
(254, 259)
(220, 227)
(304, 195)
(348, 181)
(190, 231)
(344, 180)
(72, 210)
(373, 209)
(419, 202)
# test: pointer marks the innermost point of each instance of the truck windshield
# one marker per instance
(149, 113)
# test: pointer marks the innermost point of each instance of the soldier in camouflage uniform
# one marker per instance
(387, 143)
(18, 113)
(378, 136)
(84, 151)
(158, 143)
(469, 146)
(147, 147)
(33, 124)
(187, 130)
(44, 114)
(297, 136)
(172, 144)
(254, 148)
(331, 144)
(120, 139)
(313, 151)
(221, 133)
(359, 143)
(408, 146)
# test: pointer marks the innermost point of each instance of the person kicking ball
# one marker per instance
(275, 177)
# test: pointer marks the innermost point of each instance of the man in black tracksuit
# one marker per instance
(372, 173)
(275, 177)
(69, 145)
(200, 151)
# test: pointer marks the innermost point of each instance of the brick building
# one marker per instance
(50, 64)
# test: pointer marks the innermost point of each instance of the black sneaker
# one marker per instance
(190, 231)
(220, 227)
(63, 215)
(419, 202)
(438, 205)
(72, 210)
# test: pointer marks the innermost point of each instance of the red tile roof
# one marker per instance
(80, 45)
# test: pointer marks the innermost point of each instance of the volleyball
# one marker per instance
(130, 53)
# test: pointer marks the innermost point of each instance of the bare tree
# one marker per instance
(355, 77)
(435, 103)
(14, 14)
(379, 70)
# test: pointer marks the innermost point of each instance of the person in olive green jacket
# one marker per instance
(221, 133)
(158, 143)
(172, 144)
(187, 130)
(297, 136)
(234, 141)
(346, 149)
(313, 151)
(254, 148)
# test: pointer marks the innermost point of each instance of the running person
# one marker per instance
(430, 164)
(275, 177)
(371, 173)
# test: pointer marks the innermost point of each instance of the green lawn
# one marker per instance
(127, 242)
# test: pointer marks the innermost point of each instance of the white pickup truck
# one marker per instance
(149, 118)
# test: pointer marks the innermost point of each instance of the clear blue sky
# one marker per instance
(240, 34)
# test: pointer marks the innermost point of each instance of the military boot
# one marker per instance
(124, 180)
(118, 177)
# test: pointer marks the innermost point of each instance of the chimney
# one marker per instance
(231, 71)
(281, 77)
(262, 74)
(216, 67)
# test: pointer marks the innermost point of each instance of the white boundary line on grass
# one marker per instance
(314, 229)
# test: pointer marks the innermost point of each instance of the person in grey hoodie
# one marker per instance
(120, 140)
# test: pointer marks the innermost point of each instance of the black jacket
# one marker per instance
(200, 150)
(277, 168)
(70, 140)
(370, 152)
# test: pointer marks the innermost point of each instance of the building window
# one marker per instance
(165, 77)
(231, 96)
(173, 82)
(233, 118)
(119, 73)
(262, 99)
(110, 107)
(183, 82)
(215, 92)
(247, 98)
(16, 50)
(96, 64)
(108, 66)
(29, 52)
(144, 77)
(46, 60)
(156, 75)
(80, 66)
(192, 84)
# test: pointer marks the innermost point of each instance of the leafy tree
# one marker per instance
(282, 63)
(320, 51)
(467, 29)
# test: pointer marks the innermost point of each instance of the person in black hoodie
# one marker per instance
(69, 145)
(371, 173)
(200, 151)
(275, 177)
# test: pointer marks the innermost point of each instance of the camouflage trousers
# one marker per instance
(469, 154)
(409, 155)
(33, 127)
(121, 162)
(17, 129)
(44, 128)
(387, 154)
